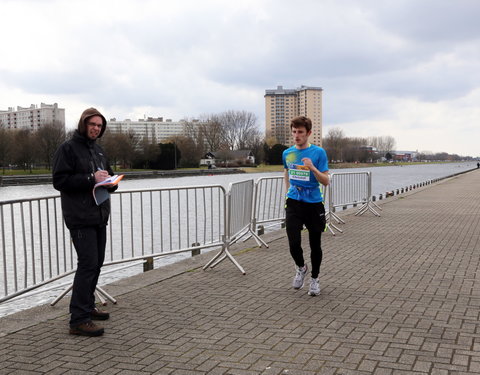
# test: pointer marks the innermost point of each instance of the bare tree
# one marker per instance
(334, 144)
(120, 147)
(24, 151)
(48, 138)
(211, 131)
(353, 151)
(194, 132)
(5, 146)
(383, 144)
(238, 128)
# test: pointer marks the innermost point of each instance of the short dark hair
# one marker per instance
(300, 121)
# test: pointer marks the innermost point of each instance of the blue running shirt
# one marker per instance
(303, 184)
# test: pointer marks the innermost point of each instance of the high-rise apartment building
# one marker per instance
(33, 117)
(282, 105)
(152, 129)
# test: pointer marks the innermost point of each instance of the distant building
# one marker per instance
(282, 105)
(404, 155)
(152, 129)
(228, 157)
(33, 117)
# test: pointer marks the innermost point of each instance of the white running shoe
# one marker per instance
(314, 289)
(299, 278)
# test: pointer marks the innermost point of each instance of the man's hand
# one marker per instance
(307, 162)
(101, 176)
(322, 177)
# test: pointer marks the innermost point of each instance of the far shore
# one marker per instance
(262, 168)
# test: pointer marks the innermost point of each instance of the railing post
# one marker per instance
(148, 265)
(195, 251)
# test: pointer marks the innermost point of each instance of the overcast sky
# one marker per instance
(405, 68)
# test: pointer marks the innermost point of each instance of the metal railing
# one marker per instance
(351, 189)
(268, 204)
(153, 222)
(36, 248)
(35, 245)
(146, 224)
(238, 223)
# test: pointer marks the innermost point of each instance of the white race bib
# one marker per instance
(301, 173)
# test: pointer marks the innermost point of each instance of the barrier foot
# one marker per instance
(366, 207)
(106, 295)
(55, 301)
(257, 239)
(376, 205)
(99, 292)
(100, 298)
(329, 227)
(336, 217)
(214, 258)
(221, 256)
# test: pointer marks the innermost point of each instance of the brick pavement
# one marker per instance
(400, 295)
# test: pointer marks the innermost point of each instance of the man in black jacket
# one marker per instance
(78, 165)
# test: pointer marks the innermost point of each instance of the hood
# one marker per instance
(90, 112)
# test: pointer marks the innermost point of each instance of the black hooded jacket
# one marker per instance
(74, 165)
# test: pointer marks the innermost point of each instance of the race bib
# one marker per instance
(299, 173)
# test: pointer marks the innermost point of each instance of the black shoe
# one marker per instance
(87, 329)
(97, 314)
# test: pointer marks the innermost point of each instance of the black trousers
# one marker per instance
(312, 215)
(89, 244)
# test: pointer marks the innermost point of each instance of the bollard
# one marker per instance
(380, 197)
(195, 251)
(374, 198)
(260, 230)
(148, 265)
(283, 225)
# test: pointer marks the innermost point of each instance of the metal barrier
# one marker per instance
(36, 248)
(268, 203)
(154, 222)
(34, 243)
(145, 224)
(238, 213)
(351, 189)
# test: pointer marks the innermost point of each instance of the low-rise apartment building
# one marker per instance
(33, 117)
(151, 129)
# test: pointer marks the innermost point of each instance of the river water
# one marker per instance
(383, 179)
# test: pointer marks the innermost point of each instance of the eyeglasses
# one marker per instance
(94, 125)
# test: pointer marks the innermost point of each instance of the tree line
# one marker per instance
(222, 132)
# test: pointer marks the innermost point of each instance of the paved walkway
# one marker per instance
(400, 295)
